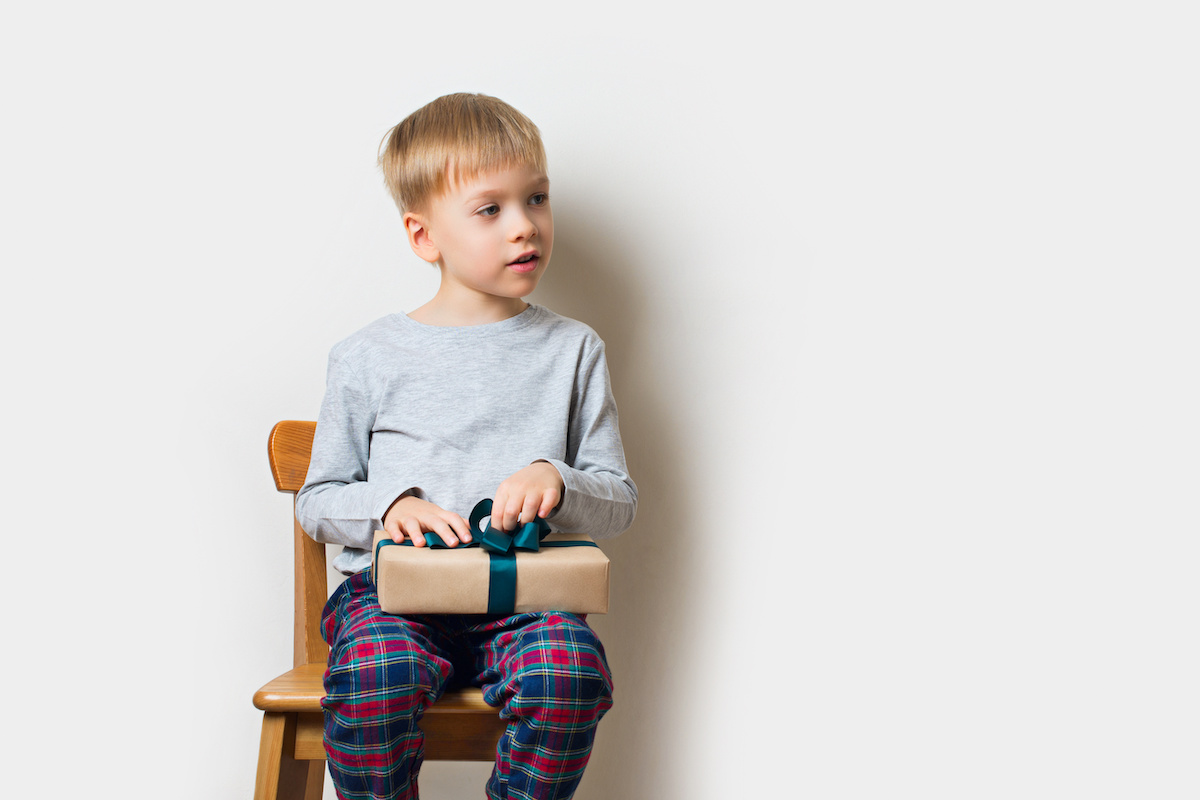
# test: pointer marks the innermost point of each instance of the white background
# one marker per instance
(901, 305)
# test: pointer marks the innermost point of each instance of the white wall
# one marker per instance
(901, 307)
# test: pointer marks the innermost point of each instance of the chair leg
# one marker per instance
(280, 776)
(316, 780)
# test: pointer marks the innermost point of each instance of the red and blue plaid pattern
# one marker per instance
(546, 673)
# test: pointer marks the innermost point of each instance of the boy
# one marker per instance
(475, 394)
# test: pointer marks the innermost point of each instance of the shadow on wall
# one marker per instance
(649, 631)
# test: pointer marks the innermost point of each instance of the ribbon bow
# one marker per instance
(502, 553)
(528, 537)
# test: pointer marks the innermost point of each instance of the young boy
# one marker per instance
(475, 394)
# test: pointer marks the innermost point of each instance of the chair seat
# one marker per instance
(299, 689)
(302, 689)
(459, 726)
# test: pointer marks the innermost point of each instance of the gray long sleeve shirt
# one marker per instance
(447, 413)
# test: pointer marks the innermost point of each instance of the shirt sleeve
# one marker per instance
(600, 498)
(338, 503)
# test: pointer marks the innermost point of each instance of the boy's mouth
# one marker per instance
(526, 263)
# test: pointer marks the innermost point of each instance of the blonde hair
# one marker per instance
(455, 138)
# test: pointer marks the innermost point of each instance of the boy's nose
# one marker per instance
(523, 228)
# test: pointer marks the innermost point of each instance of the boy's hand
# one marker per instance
(413, 517)
(527, 494)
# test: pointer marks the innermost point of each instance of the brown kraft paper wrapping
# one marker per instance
(419, 580)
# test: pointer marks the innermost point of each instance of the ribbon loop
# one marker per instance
(527, 537)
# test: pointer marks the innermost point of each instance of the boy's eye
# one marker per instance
(489, 211)
(539, 199)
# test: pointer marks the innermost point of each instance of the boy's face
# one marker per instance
(491, 235)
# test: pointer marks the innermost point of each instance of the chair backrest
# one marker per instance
(289, 449)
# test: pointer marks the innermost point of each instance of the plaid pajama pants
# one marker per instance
(546, 672)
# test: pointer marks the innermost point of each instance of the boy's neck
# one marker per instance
(444, 311)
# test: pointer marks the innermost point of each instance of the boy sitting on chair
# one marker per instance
(475, 394)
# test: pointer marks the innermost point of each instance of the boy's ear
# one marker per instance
(417, 229)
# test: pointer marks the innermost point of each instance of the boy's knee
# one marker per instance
(569, 668)
(394, 673)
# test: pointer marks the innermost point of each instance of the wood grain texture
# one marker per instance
(280, 775)
(289, 449)
(311, 592)
(299, 689)
(465, 736)
(310, 737)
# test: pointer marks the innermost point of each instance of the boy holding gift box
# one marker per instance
(474, 394)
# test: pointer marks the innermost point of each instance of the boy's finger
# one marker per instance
(443, 530)
(497, 520)
(512, 513)
(502, 515)
(413, 528)
(530, 508)
(550, 500)
(461, 527)
(393, 529)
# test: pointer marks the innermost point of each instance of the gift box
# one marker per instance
(532, 570)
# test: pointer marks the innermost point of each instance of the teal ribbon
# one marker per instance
(528, 537)
(502, 550)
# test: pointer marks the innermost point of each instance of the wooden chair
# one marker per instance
(291, 756)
